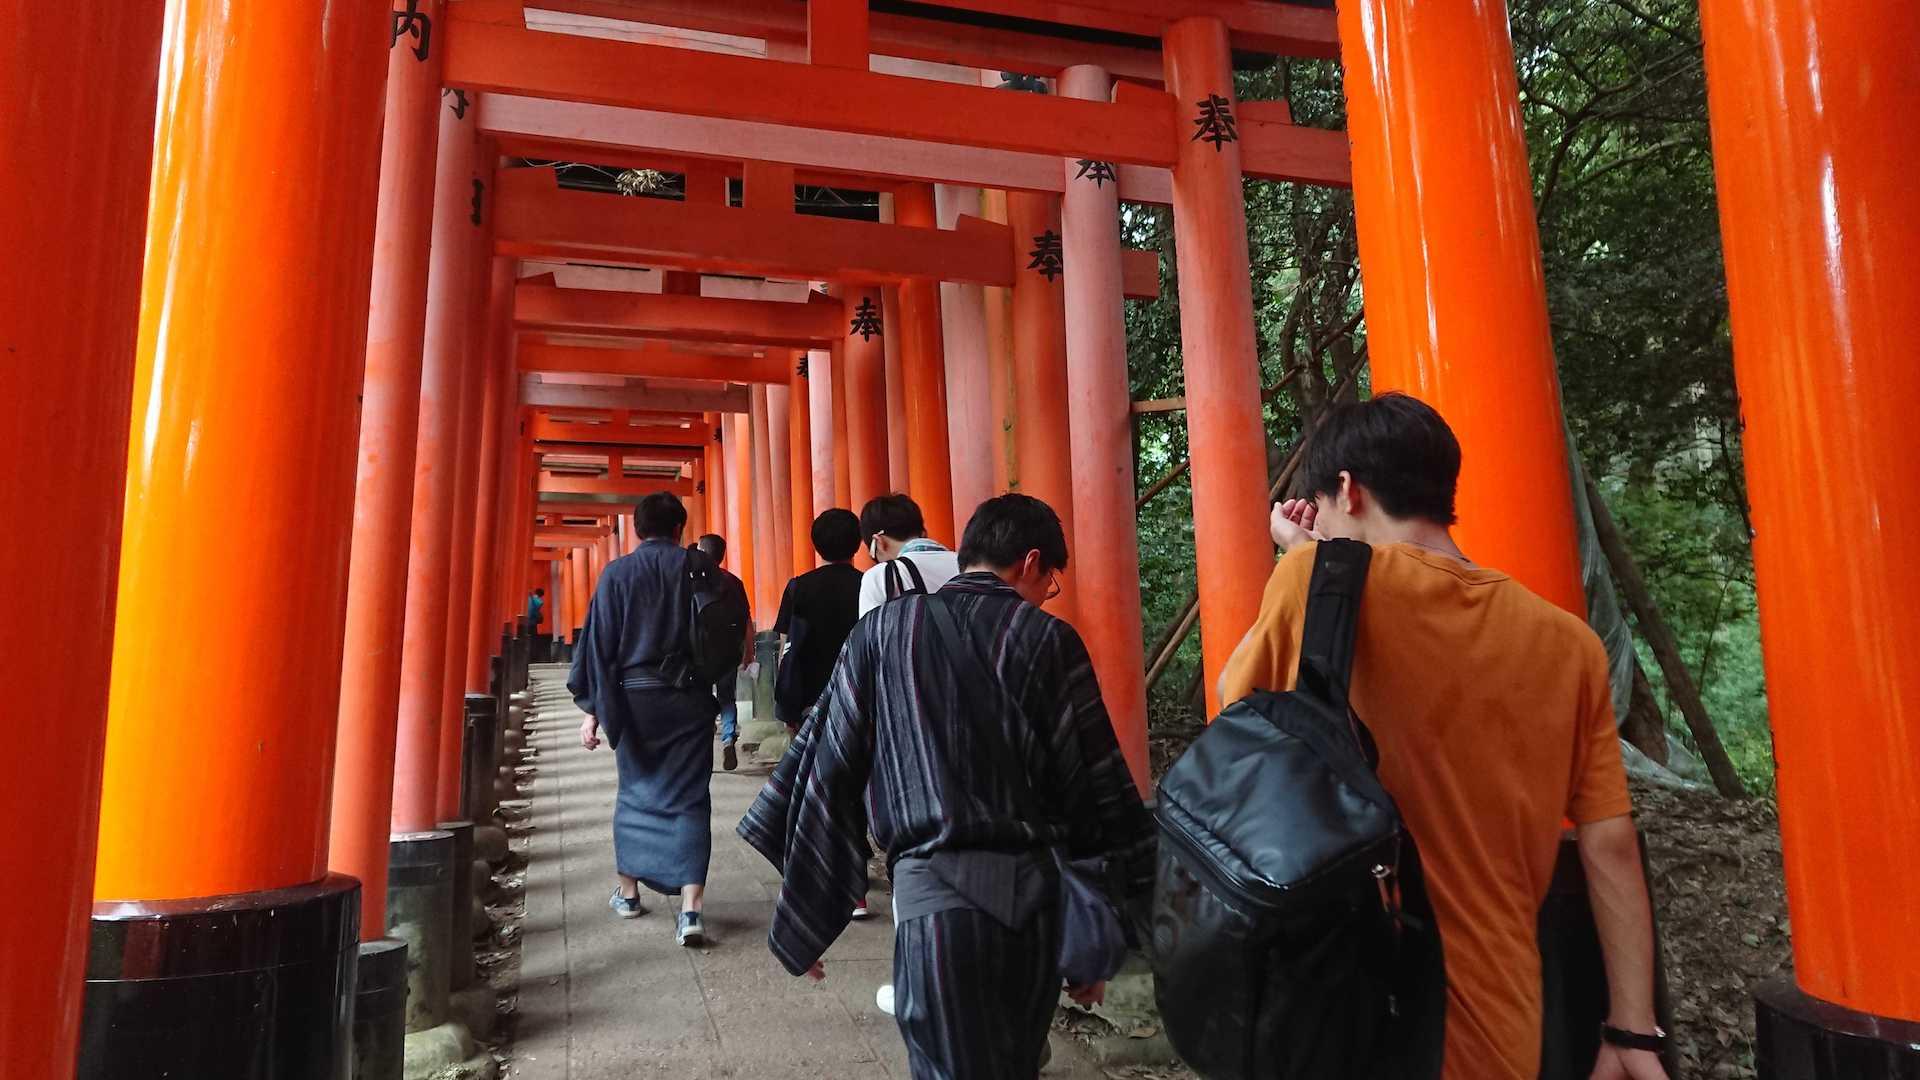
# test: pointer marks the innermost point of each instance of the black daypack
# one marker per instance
(716, 625)
(1292, 937)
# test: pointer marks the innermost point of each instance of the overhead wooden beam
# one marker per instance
(632, 455)
(684, 318)
(606, 485)
(987, 47)
(733, 399)
(1261, 26)
(581, 508)
(535, 127)
(502, 58)
(546, 429)
(653, 361)
(535, 218)
(588, 533)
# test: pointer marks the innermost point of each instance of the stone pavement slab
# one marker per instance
(604, 998)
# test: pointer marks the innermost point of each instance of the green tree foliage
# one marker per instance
(1614, 100)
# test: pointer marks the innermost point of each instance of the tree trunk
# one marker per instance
(1645, 727)
(1666, 650)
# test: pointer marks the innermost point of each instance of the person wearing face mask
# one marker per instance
(905, 559)
(969, 722)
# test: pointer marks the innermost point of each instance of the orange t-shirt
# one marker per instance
(1494, 720)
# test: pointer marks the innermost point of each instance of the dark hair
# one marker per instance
(660, 515)
(836, 535)
(539, 592)
(1006, 527)
(1395, 445)
(714, 546)
(895, 515)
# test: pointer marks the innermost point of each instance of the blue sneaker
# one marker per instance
(625, 908)
(692, 932)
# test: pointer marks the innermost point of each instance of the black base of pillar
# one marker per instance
(420, 912)
(380, 1012)
(1804, 1038)
(479, 757)
(254, 986)
(460, 955)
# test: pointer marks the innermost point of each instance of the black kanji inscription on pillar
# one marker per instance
(479, 197)
(866, 319)
(700, 488)
(1097, 171)
(1215, 122)
(460, 103)
(1047, 255)
(800, 369)
(716, 433)
(416, 24)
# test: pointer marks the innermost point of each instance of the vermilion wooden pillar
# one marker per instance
(1814, 153)
(233, 160)
(740, 508)
(842, 455)
(495, 351)
(820, 428)
(767, 581)
(865, 387)
(218, 775)
(475, 387)
(894, 385)
(923, 390)
(696, 507)
(383, 492)
(1225, 437)
(997, 308)
(1456, 300)
(963, 321)
(582, 591)
(716, 493)
(1106, 552)
(1040, 370)
(562, 598)
(450, 295)
(69, 326)
(780, 471)
(800, 464)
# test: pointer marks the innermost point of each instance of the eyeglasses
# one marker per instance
(1053, 584)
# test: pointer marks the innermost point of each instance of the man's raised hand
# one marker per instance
(1292, 523)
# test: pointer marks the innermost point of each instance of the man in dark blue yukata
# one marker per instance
(638, 633)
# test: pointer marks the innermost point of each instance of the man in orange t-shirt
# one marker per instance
(1493, 718)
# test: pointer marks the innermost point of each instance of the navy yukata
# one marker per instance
(661, 735)
(895, 737)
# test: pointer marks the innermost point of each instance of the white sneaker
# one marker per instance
(883, 999)
(860, 910)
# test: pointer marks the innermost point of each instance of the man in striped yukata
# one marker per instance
(966, 837)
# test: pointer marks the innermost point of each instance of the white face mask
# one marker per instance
(873, 547)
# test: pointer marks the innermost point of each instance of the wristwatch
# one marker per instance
(1633, 1040)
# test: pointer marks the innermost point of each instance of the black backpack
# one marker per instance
(1292, 937)
(717, 622)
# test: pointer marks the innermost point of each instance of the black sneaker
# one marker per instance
(625, 908)
(692, 932)
(729, 758)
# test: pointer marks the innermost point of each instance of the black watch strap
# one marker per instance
(1633, 1040)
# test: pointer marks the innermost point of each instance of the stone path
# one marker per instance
(602, 997)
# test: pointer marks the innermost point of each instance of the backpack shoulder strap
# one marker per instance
(895, 587)
(1332, 620)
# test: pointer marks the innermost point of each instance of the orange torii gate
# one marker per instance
(220, 787)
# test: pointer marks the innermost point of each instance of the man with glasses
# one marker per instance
(971, 779)
(905, 559)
